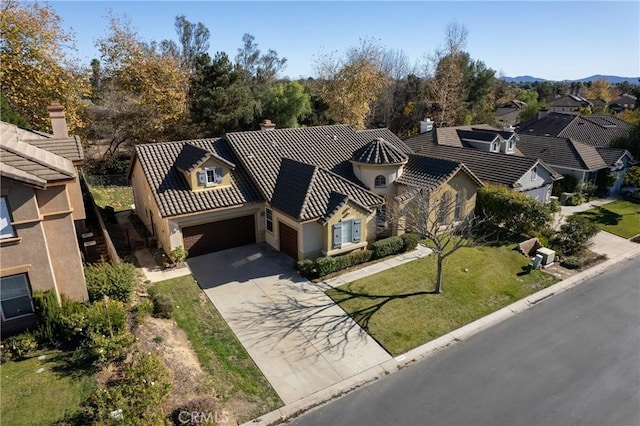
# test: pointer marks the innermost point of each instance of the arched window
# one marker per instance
(380, 182)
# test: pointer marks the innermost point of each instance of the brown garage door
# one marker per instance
(220, 235)
(288, 240)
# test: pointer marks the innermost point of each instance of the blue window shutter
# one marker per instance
(357, 224)
(337, 235)
(218, 172)
(202, 178)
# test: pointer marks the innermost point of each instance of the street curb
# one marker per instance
(393, 365)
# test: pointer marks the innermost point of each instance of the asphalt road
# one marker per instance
(573, 359)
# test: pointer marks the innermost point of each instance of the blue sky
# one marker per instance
(547, 39)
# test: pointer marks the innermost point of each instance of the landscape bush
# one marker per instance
(571, 263)
(163, 305)
(115, 281)
(179, 254)
(325, 265)
(361, 256)
(139, 392)
(201, 404)
(387, 247)
(409, 241)
(305, 267)
(574, 235)
(19, 346)
(103, 349)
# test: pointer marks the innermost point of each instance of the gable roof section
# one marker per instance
(192, 156)
(69, 148)
(307, 192)
(429, 172)
(379, 151)
(570, 101)
(561, 152)
(170, 188)
(594, 130)
(328, 147)
(30, 164)
(494, 167)
(612, 156)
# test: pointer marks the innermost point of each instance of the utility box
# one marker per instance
(547, 255)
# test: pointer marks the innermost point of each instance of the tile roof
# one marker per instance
(561, 152)
(429, 172)
(494, 167)
(69, 148)
(192, 156)
(594, 130)
(170, 188)
(570, 101)
(306, 192)
(379, 151)
(329, 147)
(612, 155)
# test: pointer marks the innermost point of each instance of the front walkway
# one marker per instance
(298, 337)
(566, 211)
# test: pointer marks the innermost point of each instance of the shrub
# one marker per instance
(567, 184)
(116, 281)
(179, 254)
(305, 267)
(138, 393)
(143, 308)
(387, 247)
(163, 305)
(19, 346)
(574, 235)
(342, 262)
(571, 263)
(106, 318)
(58, 323)
(325, 265)
(106, 348)
(409, 241)
(361, 256)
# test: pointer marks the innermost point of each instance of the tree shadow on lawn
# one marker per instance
(603, 216)
(317, 317)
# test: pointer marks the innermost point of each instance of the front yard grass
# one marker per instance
(234, 375)
(619, 217)
(118, 197)
(45, 398)
(396, 309)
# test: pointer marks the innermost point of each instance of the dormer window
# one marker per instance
(494, 146)
(512, 144)
(380, 182)
(211, 176)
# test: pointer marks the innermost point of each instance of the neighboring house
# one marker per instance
(565, 155)
(304, 191)
(594, 130)
(41, 208)
(508, 113)
(623, 102)
(570, 103)
(619, 162)
(530, 176)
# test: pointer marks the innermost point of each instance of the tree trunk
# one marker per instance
(438, 289)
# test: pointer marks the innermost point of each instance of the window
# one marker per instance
(381, 216)
(346, 232)
(511, 144)
(444, 208)
(15, 297)
(494, 147)
(269, 219)
(6, 230)
(380, 182)
(459, 200)
(534, 173)
(210, 176)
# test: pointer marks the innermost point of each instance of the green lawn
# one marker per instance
(31, 398)
(233, 372)
(395, 306)
(118, 197)
(619, 217)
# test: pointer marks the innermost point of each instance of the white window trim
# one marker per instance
(4, 210)
(534, 173)
(26, 282)
(267, 220)
(213, 169)
(375, 182)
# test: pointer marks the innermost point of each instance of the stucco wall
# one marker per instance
(192, 177)
(74, 193)
(348, 212)
(367, 174)
(312, 235)
(146, 207)
(53, 200)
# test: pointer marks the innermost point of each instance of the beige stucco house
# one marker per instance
(41, 212)
(305, 191)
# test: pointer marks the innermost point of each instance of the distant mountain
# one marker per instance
(613, 79)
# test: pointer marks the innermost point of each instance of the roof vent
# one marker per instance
(267, 125)
(426, 125)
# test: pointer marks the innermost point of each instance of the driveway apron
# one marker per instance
(298, 337)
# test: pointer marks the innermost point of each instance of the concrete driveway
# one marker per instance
(299, 338)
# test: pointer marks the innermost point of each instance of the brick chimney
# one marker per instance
(267, 125)
(58, 120)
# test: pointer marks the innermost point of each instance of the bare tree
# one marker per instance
(446, 219)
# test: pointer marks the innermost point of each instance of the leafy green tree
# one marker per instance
(258, 68)
(286, 104)
(632, 177)
(219, 100)
(511, 211)
(10, 116)
(631, 142)
(574, 235)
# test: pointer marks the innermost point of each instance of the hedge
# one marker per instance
(387, 247)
